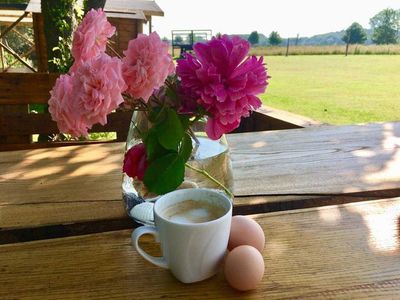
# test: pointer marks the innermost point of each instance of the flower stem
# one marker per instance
(205, 173)
(193, 136)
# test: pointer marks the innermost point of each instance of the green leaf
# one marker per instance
(186, 147)
(157, 114)
(170, 131)
(171, 93)
(185, 121)
(165, 174)
(153, 147)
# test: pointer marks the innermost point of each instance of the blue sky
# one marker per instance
(288, 17)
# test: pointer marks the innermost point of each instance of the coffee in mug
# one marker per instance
(194, 211)
(193, 227)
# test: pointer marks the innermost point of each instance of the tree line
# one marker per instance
(385, 26)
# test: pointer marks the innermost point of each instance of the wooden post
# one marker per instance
(287, 47)
(297, 39)
(14, 110)
(348, 42)
(172, 44)
(1, 53)
(150, 25)
(40, 42)
(2, 58)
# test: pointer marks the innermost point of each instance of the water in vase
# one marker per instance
(208, 155)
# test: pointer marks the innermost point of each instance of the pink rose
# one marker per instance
(90, 38)
(135, 161)
(146, 65)
(60, 108)
(97, 86)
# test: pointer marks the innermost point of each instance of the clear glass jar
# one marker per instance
(208, 156)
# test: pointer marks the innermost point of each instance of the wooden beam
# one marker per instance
(23, 36)
(25, 124)
(9, 28)
(16, 88)
(9, 50)
(2, 54)
(22, 55)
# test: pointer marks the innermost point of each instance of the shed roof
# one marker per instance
(10, 16)
(117, 8)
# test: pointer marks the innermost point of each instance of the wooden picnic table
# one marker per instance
(327, 198)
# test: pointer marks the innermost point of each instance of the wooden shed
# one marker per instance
(128, 16)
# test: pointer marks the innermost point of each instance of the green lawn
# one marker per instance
(336, 89)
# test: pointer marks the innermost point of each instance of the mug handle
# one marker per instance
(136, 234)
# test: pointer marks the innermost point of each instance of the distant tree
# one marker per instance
(199, 38)
(254, 38)
(190, 38)
(355, 34)
(178, 39)
(59, 21)
(386, 26)
(95, 4)
(274, 38)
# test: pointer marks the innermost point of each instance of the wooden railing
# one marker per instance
(17, 124)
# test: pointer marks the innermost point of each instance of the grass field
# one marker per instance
(323, 50)
(336, 89)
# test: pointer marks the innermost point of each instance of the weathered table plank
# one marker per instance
(60, 185)
(327, 159)
(337, 252)
(82, 183)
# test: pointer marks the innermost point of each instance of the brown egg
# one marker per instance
(246, 231)
(244, 268)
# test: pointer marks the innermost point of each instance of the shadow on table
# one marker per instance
(318, 166)
(77, 186)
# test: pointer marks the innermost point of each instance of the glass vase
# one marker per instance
(208, 167)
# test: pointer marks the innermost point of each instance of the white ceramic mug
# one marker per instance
(192, 251)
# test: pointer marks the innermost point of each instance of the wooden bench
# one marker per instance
(18, 124)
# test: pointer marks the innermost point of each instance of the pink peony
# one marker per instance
(135, 161)
(60, 108)
(90, 38)
(146, 65)
(97, 86)
(226, 84)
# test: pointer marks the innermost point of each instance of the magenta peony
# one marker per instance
(225, 83)
(97, 86)
(90, 38)
(146, 65)
(135, 161)
(60, 107)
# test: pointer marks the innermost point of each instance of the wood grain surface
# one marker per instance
(337, 252)
(60, 185)
(317, 160)
(82, 183)
(16, 88)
